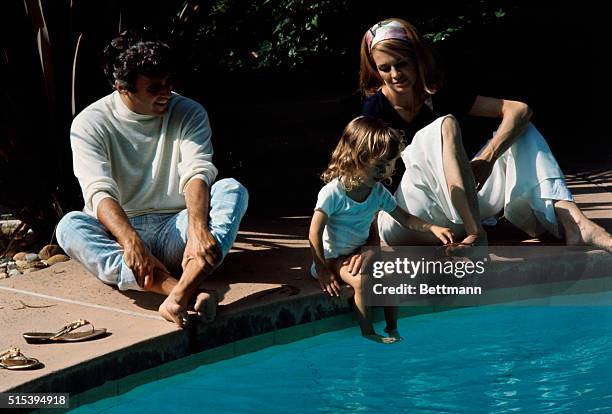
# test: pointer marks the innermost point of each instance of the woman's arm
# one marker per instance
(515, 117)
(414, 223)
(409, 221)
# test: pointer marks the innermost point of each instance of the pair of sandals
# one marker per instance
(13, 359)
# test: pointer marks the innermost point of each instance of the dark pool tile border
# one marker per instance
(254, 343)
(334, 323)
(272, 317)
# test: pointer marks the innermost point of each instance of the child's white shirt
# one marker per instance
(348, 223)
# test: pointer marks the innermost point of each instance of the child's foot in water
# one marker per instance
(379, 338)
(394, 333)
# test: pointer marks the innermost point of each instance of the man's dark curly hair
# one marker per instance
(128, 56)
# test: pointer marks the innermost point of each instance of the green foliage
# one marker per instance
(443, 27)
(233, 35)
(265, 34)
(298, 32)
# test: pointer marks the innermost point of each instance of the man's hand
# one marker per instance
(135, 253)
(202, 247)
(142, 262)
(482, 170)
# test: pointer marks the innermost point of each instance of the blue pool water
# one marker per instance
(541, 359)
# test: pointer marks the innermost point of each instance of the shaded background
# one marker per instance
(279, 80)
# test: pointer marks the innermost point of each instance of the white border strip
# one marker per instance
(76, 302)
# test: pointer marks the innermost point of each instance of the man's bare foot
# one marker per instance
(206, 305)
(173, 311)
(379, 338)
(472, 246)
(394, 333)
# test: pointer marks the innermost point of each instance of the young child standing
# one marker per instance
(344, 217)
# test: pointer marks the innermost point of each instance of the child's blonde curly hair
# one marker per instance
(365, 141)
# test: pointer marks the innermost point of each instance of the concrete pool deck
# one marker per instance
(267, 298)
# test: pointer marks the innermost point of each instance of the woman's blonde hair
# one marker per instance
(364, 141)
(414, 48)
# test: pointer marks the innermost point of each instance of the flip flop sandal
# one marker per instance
(13, 359)
(65, 334)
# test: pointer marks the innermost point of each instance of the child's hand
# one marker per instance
(328, 282)
(443, 233)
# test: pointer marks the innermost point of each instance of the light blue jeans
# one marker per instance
(87, 241)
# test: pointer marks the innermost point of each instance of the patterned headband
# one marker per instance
(384, 31)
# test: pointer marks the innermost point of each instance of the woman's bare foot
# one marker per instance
(588, 233)
(579, 230)
(380, 339)
(394, 333)
(173, 311)
(206, 305)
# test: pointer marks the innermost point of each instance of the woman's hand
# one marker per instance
(328, 282)
(482, 170)
(443, 233)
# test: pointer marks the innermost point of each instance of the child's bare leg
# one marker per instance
(364, 314)
(391, 320)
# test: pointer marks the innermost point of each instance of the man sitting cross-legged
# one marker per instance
(143, 158)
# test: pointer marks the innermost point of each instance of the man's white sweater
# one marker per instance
(142, 161)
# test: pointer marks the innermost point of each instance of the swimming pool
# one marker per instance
(501, 359)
